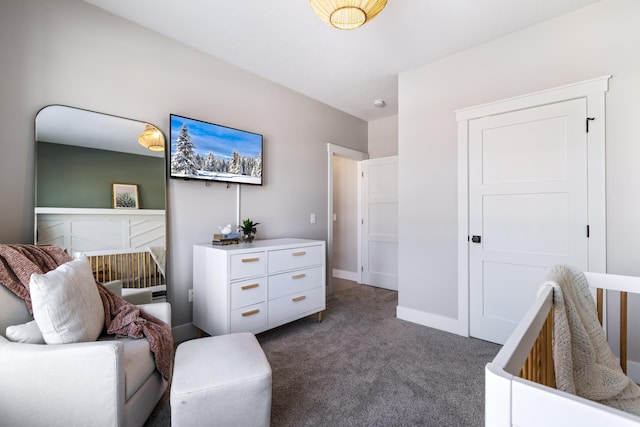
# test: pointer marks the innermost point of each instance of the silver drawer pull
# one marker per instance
(250, 312)
(251, 286)
(298, 253)
(300, 298)
(250, 259)
(298, 276)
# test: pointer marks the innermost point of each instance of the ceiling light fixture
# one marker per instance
(347, 14)
(151, 138)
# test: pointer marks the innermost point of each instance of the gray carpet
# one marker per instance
(361, 366)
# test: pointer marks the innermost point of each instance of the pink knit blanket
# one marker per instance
(122, 319)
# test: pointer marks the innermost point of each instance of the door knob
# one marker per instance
(476, 239)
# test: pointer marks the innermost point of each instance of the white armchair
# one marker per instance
(110, 382)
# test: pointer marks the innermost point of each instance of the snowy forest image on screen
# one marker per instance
(201, 150)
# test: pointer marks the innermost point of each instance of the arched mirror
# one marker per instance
(100, 191)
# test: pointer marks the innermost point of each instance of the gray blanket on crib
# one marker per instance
(584, 363)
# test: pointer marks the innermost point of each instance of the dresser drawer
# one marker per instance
(248, 292)
(249, 319)
(247, 265)
(294, 281)
(293, 305)
(294, 258)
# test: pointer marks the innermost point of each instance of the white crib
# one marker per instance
(519, 382)
(137, 269)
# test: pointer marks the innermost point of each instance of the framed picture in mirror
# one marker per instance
(125, 196)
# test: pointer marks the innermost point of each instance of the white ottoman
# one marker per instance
(221, 381)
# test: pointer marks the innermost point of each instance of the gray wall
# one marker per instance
(598, 40)
(383, 137)
(72, 53)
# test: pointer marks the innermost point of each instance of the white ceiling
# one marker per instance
(285, 42)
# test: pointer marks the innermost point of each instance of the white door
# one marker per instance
(527, 209)
(379, 223)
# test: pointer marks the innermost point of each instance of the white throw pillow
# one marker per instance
(66, 303)
(28, 333)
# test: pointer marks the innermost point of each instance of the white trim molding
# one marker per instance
(543, 97)
(99, 211)
(346, 275)
(349, 153)
(594, 91)
(87, 230)
(436, 321)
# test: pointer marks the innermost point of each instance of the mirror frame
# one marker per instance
(52, 127)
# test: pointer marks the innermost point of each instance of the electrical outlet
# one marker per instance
(190, 295)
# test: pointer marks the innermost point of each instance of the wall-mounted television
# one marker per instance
(211, 152)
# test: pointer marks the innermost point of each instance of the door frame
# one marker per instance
(340, 151)
(594, 91)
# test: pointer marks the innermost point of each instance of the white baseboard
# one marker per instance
(346, 275)
(184, 333)
(431, 320)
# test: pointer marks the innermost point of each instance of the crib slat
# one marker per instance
(623, 331)
(135, 269)
(599, 303)
(550, 378)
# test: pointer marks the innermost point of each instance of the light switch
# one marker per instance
(312, 218)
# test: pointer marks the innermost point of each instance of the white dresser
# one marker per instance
(258, 286)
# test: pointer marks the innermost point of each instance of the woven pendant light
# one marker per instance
(151, 138)
(347, 14)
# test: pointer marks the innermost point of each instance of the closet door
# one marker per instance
(527, 208)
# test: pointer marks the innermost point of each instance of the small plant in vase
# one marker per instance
(248, 229)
